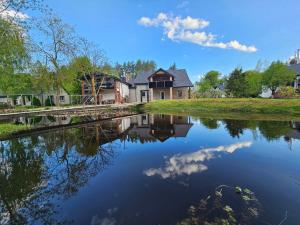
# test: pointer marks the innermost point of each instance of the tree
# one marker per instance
(79, 67)
(253, 81)
(18, 5)
(209, 83)
(213, 78)
(277, 75)
(173, 67)
(93, 53)
(43, 80)
(57, 44)
(144, 65)
(236, 83)
(13, 52)
(12, 10)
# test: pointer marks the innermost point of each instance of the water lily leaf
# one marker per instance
(246, 198)
(247, 191)
(228, 209)
(238, 190)
(219, 194)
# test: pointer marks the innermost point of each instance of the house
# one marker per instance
(296, 68)
(161, 84)
(146, 86)
(60, 97)
(104, 89)
(150, 128)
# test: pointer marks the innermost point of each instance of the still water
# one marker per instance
(154, 169)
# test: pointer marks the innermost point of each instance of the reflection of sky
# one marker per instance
(187, 164)
(109, 220)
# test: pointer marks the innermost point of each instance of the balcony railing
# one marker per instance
(161, 84)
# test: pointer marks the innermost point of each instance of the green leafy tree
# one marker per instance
(43, 79)
(78, 67)
(213, 78)
(236, 83)
(144, 65)
(277, 75)
(209, 82)
(253, 81)
(13, 53)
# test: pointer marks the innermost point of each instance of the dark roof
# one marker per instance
(296, 68)
(181, 78)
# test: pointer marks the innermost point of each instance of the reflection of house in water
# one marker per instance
(107, 131)
(44, 121)
(149, 128)
(293, 134)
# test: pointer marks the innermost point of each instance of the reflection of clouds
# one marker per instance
(109, 220)
(190, 163)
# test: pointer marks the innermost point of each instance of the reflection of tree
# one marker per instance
(22, 192)
(275, 129)
(271, 130)
(39, 169)
(237, 127)
(135, 137)
(226, 205)
(209, 123)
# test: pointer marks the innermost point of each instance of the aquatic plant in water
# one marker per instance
(225, 206)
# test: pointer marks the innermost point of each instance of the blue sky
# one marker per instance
(271, 26)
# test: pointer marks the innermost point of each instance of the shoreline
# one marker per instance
(281, 108)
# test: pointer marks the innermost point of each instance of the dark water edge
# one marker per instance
(154, 169)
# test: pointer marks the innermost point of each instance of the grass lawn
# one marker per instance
(9, 128)
(281, 107)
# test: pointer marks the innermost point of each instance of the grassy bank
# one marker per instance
(280, 107)
(8, 128)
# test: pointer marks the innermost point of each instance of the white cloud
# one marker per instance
(188, 29)
(190, 163)
(10, 13)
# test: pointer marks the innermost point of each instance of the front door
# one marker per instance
(144, 96)
(162, 95)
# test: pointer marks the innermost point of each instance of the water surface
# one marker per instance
(153, 169)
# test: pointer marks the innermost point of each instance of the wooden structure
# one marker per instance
(104, 89)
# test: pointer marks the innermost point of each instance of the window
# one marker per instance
(143, 94)
(62, 98)
(179, 93)
(162, 95)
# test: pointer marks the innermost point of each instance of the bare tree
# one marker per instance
(98, 59)
(15, 10)
(57, 44)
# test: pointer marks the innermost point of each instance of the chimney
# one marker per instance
(297, 56)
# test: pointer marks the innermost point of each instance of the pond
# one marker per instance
(153, 169)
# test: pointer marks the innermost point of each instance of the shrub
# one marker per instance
(36, 101)
(4, 106)
(286, 92)
(48, 102)
(212, 93)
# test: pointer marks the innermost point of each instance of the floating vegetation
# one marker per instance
(226, 206)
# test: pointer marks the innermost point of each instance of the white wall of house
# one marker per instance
(4, 100)
(124, 90)
(297, 82)
(157, 93)
(62, 97)
(183, 91)
(138, 89)
(108, 94)
(132, 95)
